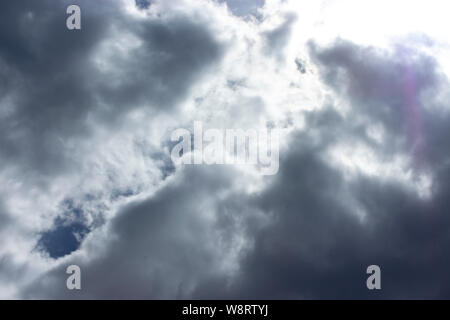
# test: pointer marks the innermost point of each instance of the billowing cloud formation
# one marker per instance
(86, 118)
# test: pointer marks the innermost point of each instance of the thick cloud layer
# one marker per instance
(86, 118)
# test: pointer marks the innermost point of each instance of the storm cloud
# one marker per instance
(85, 123)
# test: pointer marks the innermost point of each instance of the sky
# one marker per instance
(358, 89)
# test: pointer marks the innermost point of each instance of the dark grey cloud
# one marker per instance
(394, 88)
(5, 218)
(46, 61)
(9, 270)
(159, 72)
(54, 98)
(307, 240)
(317, 248)
(161, 247)
(198, 235)
(55, 67)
